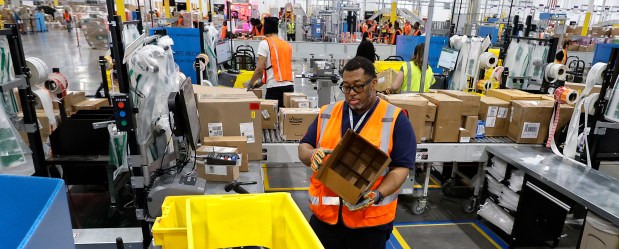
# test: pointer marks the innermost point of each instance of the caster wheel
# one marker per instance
(470, 205)
(447, 187)
(419, 207)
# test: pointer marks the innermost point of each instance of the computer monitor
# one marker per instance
(448, 58)
(183, 106)
(223, 52)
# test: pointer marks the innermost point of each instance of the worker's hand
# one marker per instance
(368, 199)
(318, 158)
(251, 86)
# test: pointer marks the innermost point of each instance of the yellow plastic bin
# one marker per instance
(270, 220)
(384, 65)
(243, 77)
(170, 230)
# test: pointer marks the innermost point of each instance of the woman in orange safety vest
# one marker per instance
(397, 31)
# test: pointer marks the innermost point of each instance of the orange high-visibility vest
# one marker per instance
(224, 31)
(378, 129)
(393, 36)
(281, 60)
(364, 28)
(564, 60)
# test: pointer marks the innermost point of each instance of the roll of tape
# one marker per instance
(109, 62)
(484, 85)
(555, 72)
(56, 84)
(566, 95)
(203, 62)
(497, 73)
(488, 60)
(38, 70)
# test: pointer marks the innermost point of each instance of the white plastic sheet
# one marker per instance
(495, 215)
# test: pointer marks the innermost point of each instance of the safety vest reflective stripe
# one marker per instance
(386, 130)
(409, 76)
(324, 120)
(326, 200)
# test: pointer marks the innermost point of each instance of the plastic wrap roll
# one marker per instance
(38, 69)
(488, 60)
(48, 107)
(556, 72)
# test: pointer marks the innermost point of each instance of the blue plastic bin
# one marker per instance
(35, 213)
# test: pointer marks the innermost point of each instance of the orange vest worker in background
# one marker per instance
(368, 223)
(274, 63)
(224, 31)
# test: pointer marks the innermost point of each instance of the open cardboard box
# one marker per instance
(353, 167)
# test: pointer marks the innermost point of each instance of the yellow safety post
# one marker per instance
(166, 8)
(585, 27)
(188, 5)
(394, 7)
(55, 2)
(200, 7)
(120, 10)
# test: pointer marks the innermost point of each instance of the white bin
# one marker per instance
(599, 234)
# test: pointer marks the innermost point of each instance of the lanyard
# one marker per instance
(356, 127)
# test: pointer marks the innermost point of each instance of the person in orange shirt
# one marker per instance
(224, 31)
(416, 30)
(397, 31)
(408, 28)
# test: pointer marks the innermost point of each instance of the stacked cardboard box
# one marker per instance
(288, 96)
(231, 112)
(512, 94)
(416, 107)
(299, 103)
(217, 173)
(45, 128)
(268, 109)
(238, 142)
(353, 167)
(495, 113)
(470, 102)
(529, 121)
(447, 122)
(468, 129)
(293, 122)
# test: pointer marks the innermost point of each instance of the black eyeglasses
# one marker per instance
(356, 88)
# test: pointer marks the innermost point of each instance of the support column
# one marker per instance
(426, 49)
(394, 8)
(585, 26)
(472, 16)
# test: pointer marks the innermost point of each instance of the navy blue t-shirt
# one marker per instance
(404, 141)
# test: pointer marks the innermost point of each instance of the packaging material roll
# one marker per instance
(566, 95)
(484, 85)
(555, 72)
(497, 73)
(38, 69)
(46, 102)
(612, 112)
(488, 60)
(56, 84)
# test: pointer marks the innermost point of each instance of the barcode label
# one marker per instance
(215, 130)
(265, 114)
(465, 139)
(530, 130)
(247, 130)
(490, 121)
(492, 111)
(304, 105)
(511, 115)
(502, 112)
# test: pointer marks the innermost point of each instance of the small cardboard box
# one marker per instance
(299, 103)
(288, 96)
(91, 104)
(385, 79)
(469, 129)
(427, 132)
(257, 92)
(447, 122)
(512, 94)
(212, 92)
(431, 114)
(268, 109)
(495, 113)
(416, 107)
(238, 142)
(582, 48)
(293, 122)
(232, 117)
(470, 102)
(353, 167)
(218, 173)
(580, 86)
(529, 121)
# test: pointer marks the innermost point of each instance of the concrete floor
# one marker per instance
(79, 64)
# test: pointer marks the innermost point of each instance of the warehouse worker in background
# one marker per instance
(67, 18)
(396, 31)
(366, 50)
(274, 63)
(416, 29)
(368, 223)
(290, 30)
(409, 77)
(224, 31)
(561, 57)
(257, 27)
(408, 28)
